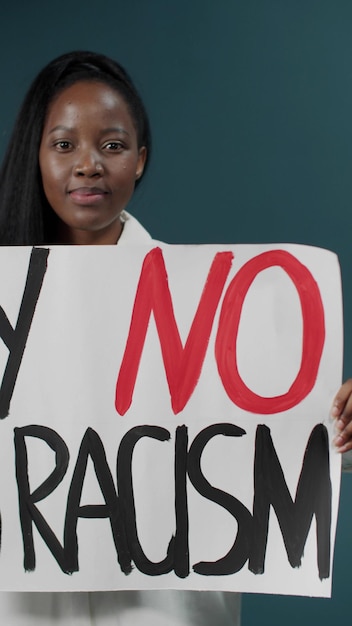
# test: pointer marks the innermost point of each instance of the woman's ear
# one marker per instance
(142, 157)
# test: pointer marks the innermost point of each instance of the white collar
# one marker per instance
(133, 232)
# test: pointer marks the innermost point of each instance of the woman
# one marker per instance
(27, 216)
(80, 146)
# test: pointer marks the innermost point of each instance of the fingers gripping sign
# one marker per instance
(342, 413)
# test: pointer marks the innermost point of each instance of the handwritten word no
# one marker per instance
(183, 364)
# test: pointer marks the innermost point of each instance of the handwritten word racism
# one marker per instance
(313, 498)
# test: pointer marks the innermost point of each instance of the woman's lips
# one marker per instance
(87, 195)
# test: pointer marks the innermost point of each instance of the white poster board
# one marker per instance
(165, 418)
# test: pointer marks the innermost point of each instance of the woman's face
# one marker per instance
(89, 161)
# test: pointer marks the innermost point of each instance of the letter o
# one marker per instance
(313, 334)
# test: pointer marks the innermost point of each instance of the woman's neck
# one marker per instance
(77, 237)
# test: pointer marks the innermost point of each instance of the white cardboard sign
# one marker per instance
(165, 417)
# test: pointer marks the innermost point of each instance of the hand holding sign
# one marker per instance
(342, 412)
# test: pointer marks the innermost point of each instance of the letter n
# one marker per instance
(182, 364)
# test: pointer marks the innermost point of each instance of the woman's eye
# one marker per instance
(114, 146)
(63, 145)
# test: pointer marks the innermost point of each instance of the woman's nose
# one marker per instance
(88, 164)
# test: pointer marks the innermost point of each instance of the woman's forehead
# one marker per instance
(88, 99)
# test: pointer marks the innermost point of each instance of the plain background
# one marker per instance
(250, 103)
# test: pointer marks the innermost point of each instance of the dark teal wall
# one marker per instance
(250, 102)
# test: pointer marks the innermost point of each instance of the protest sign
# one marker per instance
(165, 417)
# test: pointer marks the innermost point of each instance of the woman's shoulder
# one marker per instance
(134, 233)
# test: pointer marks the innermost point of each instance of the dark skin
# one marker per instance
(342, 413)
(90, 159)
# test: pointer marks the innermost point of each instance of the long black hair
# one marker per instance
(25, 215)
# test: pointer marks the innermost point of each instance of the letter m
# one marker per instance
(182, 364)
(313, 498)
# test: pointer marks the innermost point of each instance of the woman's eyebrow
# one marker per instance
(110, 129)
(115, 129)
(61, 127)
